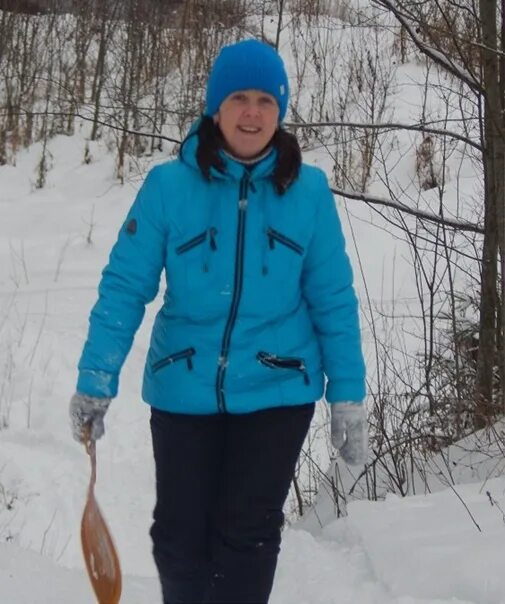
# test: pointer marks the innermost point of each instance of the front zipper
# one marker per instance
(199, 239)
(275, 362)
(274, 235)
(237, 292)
(187, 353)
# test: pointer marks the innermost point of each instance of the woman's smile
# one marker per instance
(248, 120)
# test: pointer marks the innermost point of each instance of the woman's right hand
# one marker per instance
(87, 411)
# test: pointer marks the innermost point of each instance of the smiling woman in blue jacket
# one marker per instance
(259, 321)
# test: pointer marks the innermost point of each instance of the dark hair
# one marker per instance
(211, 141)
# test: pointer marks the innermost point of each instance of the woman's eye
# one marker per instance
(238, 97)
(266, 100)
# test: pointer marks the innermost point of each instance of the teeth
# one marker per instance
(249, 129)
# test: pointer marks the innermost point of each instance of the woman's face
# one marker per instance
(247, 120)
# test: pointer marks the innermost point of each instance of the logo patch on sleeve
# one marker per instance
(131, 227)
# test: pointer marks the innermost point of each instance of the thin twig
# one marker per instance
(465, 506)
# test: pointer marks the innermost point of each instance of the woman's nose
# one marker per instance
(252, 109)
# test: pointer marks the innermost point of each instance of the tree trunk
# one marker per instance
(493, 159)
(279, 24)
(501, 219)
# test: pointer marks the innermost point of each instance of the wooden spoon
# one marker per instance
(100, 555)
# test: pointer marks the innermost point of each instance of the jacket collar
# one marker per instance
(233, 168)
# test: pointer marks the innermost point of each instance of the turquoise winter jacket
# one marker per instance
(259, 302)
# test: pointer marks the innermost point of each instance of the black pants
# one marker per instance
(221, 483)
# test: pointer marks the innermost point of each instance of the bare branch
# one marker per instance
(102, 123)
(461, 225)
(388, 126)
(457, 224)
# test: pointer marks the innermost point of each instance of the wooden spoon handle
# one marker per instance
(90, 445)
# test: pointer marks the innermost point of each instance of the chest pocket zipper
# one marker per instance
(187, 353)
(275, 362)
(274, 236)
(198, 240)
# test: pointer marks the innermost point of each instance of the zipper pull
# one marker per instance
(189, 362)
(212, 238)
(306, 378)
(244, 184)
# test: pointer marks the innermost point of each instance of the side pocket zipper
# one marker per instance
(275, 362)
(178, 356)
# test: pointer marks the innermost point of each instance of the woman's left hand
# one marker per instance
(349, 431)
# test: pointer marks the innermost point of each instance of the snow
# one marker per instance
(422, 549)
(27, 577)
(414, 550)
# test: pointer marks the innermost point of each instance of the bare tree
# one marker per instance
(449, 33)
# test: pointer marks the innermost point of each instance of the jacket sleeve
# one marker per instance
(129, 282)
(327, 285)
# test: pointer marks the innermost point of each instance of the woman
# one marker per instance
(259, 307)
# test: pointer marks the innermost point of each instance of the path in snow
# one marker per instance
(310, 571)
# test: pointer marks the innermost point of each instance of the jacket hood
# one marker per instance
(233, 169)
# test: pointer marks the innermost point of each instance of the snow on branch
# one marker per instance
(460, 225)
(438, 57)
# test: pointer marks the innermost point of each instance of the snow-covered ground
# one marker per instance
(415, 550)
(446, 547)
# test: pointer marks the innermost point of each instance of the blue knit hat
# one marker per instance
(247, 65)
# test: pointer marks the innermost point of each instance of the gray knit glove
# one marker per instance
(87, 411)
(349, 431)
